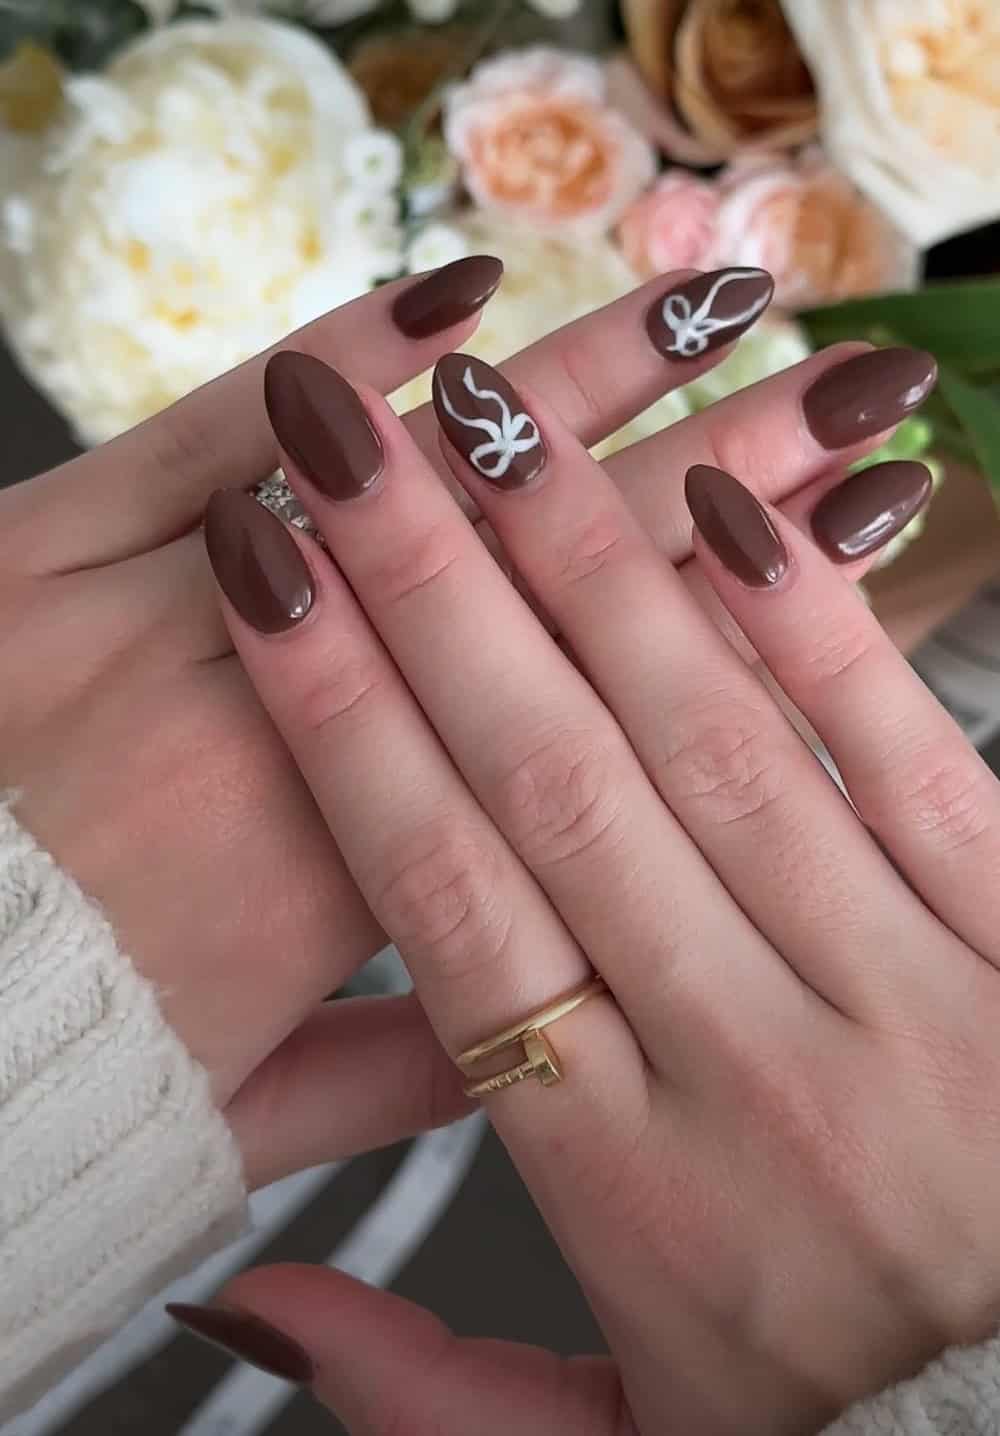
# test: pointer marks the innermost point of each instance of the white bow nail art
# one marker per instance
(505, 439)
(692, 328)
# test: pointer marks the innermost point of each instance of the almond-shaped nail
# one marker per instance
(257, 562)
(447, 296)
(869, 508)
(486, 421)
(321, 423)
(708, 311)
(867, 394)
(735, 526)
(248, 1338)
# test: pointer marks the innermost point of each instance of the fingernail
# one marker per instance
(321, 423)
(257, 562)
(447, 296)
(869, 507)
(486, 421)
(708, 311)
(867, 394)
(735, 527)
(248, 1338)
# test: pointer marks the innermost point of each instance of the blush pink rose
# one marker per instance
(538, 143)
(807, 224)
(672, 226)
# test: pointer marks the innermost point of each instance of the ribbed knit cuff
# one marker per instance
(956, 1395)
(117, 1172)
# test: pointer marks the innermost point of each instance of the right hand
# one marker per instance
(150, 771)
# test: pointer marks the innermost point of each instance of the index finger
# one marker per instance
(150, 484)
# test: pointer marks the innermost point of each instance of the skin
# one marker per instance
(772, 1164)
(149, 769)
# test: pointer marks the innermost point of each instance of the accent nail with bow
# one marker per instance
(708, 311)
(486, 421)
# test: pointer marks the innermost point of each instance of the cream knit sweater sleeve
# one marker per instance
(116, 1171)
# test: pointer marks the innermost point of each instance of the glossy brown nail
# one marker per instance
(735, 527)
(447, 296)
(321, 424)
(256, 562)
(248, 1338)
(869, 508)
(486, 421)
(867, 394)
(708, 311)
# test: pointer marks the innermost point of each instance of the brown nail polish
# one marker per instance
(869, 508)
(248, 1338)
(735, 526)
(486, 421)
(447, 296)
(256, 562)
(321, 423)
(867, 394)
(708, 311)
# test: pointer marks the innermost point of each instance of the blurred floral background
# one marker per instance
(181, 185)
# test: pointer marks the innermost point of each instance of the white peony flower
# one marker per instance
(436, 245)
(217, 187)
(910, 104)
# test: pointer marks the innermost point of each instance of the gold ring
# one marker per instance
(540, 1060)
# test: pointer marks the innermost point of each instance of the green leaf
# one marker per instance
(83, 33)
(958, 321)
(978, 414)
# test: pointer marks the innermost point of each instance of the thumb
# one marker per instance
(383, 1365)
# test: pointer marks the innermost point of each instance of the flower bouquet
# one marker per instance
(184, 184)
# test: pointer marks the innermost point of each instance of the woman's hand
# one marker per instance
(772, 1159)
(148, 768)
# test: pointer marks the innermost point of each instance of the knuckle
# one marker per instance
(943, 799)
(834, 654)
(438, 898)
(590, 383)
(717, 759)
(592, 549)
(421, 563)
(346, 685)
(562, 798)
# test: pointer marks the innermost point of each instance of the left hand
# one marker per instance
(772, 1161)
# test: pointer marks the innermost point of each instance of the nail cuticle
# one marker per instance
(869, 508)
(247, 1338)
(447, 296)
(736, 527)
(867, 394)
(485, 420)
(708, 311)
(322, 425)
(257, 563)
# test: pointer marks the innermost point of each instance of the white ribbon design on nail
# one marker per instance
(504, 438)
(693, 330)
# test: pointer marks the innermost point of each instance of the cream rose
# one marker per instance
(812, 229)
(219, 185)
(538, 142)
(910, 104)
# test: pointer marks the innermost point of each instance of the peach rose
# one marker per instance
(722, 75)
(538, 142)
(672, 226)
(910, 105)
(807, 224)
